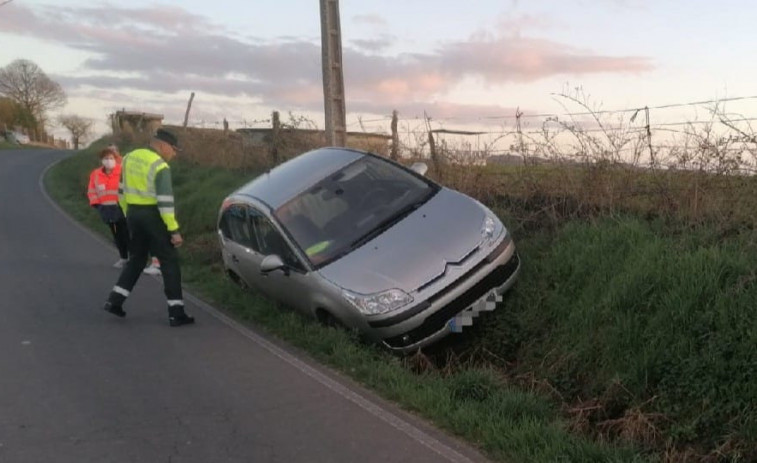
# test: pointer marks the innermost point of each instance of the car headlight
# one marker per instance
(378, 303)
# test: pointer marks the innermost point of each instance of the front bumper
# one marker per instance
(429, 320)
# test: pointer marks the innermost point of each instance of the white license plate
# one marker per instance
(486, 303)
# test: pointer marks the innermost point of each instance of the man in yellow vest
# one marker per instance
(146, 197)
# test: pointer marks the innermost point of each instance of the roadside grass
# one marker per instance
(623, 319)
(474, 402)
(4, 145)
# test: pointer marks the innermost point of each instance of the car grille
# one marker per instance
(486, 261)
(461, 262)
(436, 321)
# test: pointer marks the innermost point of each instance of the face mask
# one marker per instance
(109, 163)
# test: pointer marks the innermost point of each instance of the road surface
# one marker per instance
(79, 385)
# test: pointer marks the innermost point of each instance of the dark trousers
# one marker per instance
(120, 232)
(149, 236)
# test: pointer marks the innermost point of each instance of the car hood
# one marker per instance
(415, 250)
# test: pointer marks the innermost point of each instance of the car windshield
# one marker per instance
(351, 206)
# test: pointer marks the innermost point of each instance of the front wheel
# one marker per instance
(237, 280)
(326, 318)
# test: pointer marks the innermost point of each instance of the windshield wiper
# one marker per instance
(387, 223)
(380, 228)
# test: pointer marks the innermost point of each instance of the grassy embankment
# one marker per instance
(623, 330)
(475, 403)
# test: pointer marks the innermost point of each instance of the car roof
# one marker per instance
(287, 180)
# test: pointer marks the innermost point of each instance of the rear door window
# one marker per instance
(235, 226)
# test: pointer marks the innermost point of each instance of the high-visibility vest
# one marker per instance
(146, 181)
(103, 187)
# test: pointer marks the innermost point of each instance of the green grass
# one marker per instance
(4, 145)
(476, 403)
(642, 319)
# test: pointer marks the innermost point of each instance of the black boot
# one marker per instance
(177, 316)
(116, 310)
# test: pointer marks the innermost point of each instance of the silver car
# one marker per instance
(355, 239)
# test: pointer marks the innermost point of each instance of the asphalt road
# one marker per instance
(79, 385)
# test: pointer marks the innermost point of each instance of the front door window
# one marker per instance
(268, 241)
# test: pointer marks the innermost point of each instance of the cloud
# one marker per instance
(527, 59)
(374, 45)
(168, 49)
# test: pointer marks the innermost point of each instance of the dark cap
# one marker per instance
(168, 137)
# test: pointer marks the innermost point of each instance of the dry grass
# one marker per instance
(232, 150)
(591, 170)
(217, 148)
(575, 168)
(557, 192)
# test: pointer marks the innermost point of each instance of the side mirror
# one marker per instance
(419, 167)
(271, 264)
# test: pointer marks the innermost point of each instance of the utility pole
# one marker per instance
(333, 81)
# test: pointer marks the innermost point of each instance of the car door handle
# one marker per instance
(234, 259)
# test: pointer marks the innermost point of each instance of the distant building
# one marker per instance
(133, 122)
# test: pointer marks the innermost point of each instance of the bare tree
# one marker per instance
(27, 84)
(78, 126)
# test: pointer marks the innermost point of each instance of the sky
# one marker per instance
(464, 64)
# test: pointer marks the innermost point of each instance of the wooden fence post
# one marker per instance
(432, 147)
(189, 106)
(394, 154)
(275, 134)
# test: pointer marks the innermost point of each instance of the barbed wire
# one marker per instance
(414, 130)
(419, 135)
(422, 119)
(612, 111)
(203, 122)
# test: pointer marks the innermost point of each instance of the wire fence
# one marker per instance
(555, 165)
(643, 134)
